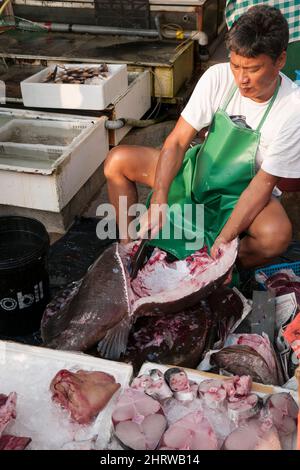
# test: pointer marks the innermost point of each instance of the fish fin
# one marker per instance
(115, 341)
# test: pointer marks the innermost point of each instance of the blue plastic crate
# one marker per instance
(274, 268)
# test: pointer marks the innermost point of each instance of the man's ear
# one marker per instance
(280, 62)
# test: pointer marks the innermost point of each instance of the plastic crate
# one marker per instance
(274, 268)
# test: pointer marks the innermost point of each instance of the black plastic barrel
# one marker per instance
(24, 279)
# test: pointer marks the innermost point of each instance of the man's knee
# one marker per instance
(275, 240)
(113, 163)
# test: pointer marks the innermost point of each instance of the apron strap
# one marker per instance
(232, 91)
(229, 97)
(269, 106)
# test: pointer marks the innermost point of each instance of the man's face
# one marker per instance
(256, 77)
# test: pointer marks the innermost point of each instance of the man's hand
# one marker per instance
(169, 163)
(215, 251)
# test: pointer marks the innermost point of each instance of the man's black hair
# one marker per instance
(261, 30)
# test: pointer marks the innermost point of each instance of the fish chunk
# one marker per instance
(105, 305)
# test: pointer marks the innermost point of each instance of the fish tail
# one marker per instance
(115, 341)
(57, 316)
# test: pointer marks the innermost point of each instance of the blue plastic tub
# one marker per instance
(274, 268)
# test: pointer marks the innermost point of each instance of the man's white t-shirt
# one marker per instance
(279, 148)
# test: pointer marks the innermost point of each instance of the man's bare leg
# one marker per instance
(268, 236)
(125, 166)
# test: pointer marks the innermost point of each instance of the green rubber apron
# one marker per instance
(213, 175)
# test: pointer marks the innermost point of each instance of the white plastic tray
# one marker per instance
(28, 370)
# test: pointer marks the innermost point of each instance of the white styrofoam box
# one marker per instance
(37, 94)
(47, 180)
(133, 103)
(28, 371)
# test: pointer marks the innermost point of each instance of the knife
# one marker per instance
(143, 252)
